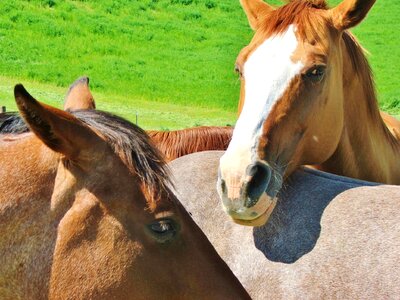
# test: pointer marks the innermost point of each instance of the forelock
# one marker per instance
(301, 13)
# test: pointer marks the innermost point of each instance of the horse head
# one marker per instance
(103, 221)
(291, 105)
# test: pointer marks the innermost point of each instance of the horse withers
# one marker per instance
(86, 213)
(307, 98)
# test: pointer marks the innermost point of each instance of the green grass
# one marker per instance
(170, 60)
(147, 114)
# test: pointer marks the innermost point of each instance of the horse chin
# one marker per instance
(260, 220)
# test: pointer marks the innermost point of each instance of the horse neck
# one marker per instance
(174, 144)
(26, 166)
(367, 150)
(28, 231)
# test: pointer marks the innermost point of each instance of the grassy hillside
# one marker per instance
(150, 55)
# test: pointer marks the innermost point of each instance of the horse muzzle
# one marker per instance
(250, 199)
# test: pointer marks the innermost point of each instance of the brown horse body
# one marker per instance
(307, 98)
(86, 213)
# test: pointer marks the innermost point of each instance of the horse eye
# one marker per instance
(316, 73)
(163, 230)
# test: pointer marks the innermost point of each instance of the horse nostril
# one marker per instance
(260, 176)
(221, 183)
(223, 186)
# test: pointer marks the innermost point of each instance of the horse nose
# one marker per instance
(259, 177)
(247, 197)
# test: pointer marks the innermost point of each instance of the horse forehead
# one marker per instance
(273, 51)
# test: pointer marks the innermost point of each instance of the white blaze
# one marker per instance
(267, 72)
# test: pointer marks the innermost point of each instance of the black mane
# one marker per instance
(11, 122)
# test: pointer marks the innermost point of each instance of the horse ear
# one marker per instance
(350, 12)
(58, 129)
(254, 10)
(79, 96)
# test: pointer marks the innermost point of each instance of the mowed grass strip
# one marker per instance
(158, 57)
(147, 114)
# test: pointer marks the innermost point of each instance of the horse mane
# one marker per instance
(128, 141)
(12, 123)
(297, 12)
(174, 144)
(363, 70)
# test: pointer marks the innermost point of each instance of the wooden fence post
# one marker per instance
(3, 109)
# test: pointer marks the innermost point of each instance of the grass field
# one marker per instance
(169, 61)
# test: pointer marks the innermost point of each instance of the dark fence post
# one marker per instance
(3, 109)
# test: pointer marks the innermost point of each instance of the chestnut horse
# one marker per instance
(177, 143)
(330, 237)
(307, 98)
(172, 144)
(86, 213)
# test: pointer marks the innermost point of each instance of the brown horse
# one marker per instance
(172, 144)
(329, 237)
(307, 98)
(177, 143)
(86, 213)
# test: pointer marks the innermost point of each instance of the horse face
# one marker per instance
(127, 250)
(291, 106)
(120, 231)
(285, 84)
